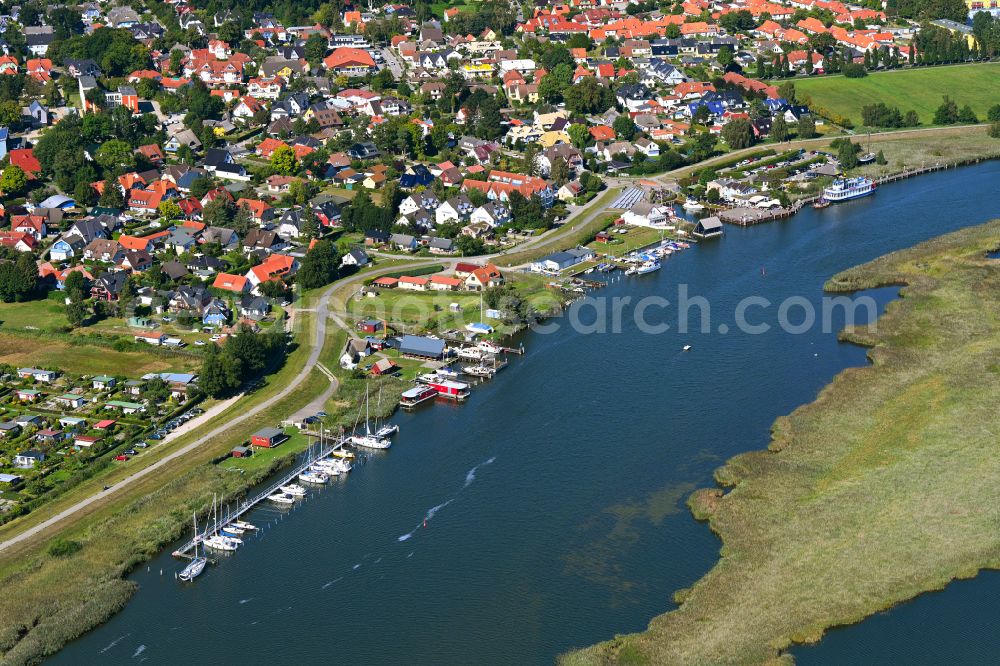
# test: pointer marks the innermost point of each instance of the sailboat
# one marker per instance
(386, 429)
(369, 440)
(197, 563)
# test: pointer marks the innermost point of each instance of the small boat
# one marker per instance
(234, 529)
(447, 371)
(631, 270)
(308, 476)
(281, 498)
(686, 348)
(193, 569)
(412, 397)
(324, 470)
(478, 370)
(648, 267)
(242, 525)
(370, 441)
(471, 353)
(346, 454)
(295, 490)
(197, 563)
(232, 536)
(821, 203)
(387, 430)
(217, 542)
(489, 347)
(428, 378)
(693, 205)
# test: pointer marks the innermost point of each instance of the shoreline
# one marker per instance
(169, 533)
(802, 465)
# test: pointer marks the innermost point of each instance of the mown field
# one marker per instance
(887, 486)
(919, 90)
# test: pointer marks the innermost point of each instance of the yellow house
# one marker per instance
(551, 138)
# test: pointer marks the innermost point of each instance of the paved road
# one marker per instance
(321, 319)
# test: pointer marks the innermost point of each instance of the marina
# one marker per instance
(553, 556)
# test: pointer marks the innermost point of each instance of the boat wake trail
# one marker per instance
(245, 601)
(139, 650)
(113, 643)
(328, 584)
(470, 476)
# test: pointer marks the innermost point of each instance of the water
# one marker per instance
(553, 499)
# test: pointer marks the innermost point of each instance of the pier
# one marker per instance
(187, 550)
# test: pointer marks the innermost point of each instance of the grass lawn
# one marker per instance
(919, 90)
(88, 359)
(45, 315)
(415, 311)
(887, 486)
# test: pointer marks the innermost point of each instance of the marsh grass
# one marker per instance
(884, 487)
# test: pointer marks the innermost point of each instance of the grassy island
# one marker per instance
(885, 487)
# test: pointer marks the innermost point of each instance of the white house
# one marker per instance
(646, 215)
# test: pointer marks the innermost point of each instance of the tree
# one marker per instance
(10, 113)
(470, 246)
(320, 265)
(115, 155)
(13, 181)
(701, 115)
(806, 127)
(624, 127)
(111, 195)
(967, 115)
(75, 286)
(76, 314)
(310, 225)
(847, 154)
(589, 96)
(911, 119)
(779, 129)
(947, 113)
(559, 172)
(738, 133)
(169, 210)
(880, 158)
(315, 48)
(993, 131)
(579, 135)
(283, 160)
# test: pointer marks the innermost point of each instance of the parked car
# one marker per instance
(131, 452)
(121, 458)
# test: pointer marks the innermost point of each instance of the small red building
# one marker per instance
(268, 437)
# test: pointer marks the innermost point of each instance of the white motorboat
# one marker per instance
(218, 542)
(478, 370)
(295, 490)
(243, 525)
(471, 353)
(310, 476)
(447, 371)
(281, 498)
(686, 348)
(647, 267)
(235, 529)
(387, 430)
(692, 205)
(490, 347)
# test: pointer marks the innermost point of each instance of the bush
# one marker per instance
(993, 131)
(63, 548)
(853, 70)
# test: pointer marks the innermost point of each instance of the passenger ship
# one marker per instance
(843, 189)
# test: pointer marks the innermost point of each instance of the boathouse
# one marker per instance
(415, 346)
(708, 227)
(268, 437)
